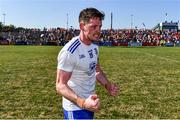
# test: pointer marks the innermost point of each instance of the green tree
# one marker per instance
(1, 26)
(18, 29)
(8, 28)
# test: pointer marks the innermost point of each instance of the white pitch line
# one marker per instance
(160, 57)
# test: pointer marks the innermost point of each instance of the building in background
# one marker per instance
(167, 26)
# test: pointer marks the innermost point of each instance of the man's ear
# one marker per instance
(81, 26)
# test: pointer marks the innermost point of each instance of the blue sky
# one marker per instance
(53, 13)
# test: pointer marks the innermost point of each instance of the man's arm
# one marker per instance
(112, 88)
(91, 103)
(62, 87)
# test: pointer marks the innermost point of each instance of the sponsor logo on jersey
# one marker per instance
(92, 68)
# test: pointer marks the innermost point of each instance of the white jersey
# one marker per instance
(81, 60)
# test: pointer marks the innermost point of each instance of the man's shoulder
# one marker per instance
(72, 45)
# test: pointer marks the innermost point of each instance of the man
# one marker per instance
(78, 69)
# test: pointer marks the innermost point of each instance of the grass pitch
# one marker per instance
(149, 78)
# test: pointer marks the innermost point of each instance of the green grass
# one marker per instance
(149, 78)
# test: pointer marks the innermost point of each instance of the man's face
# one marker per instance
(92, 29)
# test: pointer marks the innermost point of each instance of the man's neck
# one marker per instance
(85, 40)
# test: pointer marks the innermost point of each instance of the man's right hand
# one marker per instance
(92, 103)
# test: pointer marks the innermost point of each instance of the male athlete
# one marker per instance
(78, 69)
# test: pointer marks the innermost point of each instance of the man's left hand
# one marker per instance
(112, 88)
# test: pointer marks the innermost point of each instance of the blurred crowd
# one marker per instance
(109, 37)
